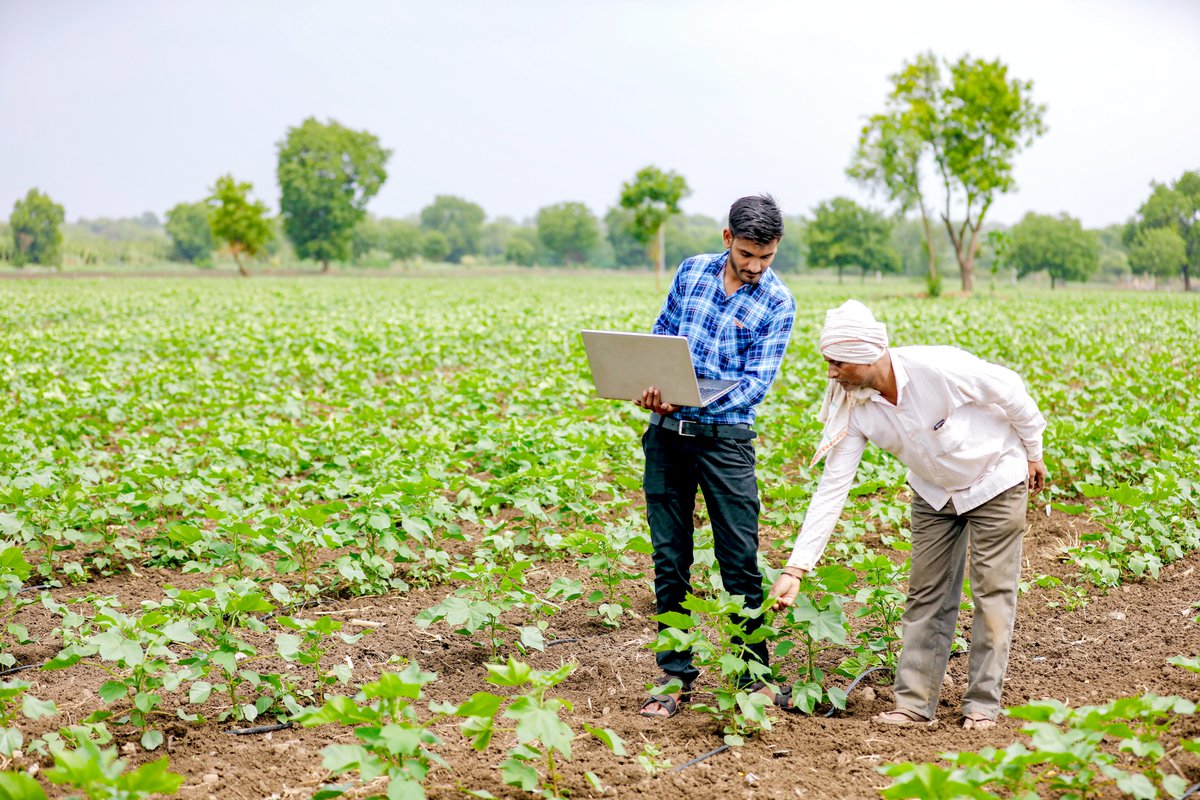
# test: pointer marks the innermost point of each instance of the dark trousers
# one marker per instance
(724, 470)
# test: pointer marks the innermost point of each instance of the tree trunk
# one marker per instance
(324, 265)
(241, 269)
(660, 263)
(1187, 280)
(929, 247)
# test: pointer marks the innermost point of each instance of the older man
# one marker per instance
(971, 437)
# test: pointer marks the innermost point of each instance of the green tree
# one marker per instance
(568, 231)
(493, 240)
(522, 247)
(459, 221)
(619, 230)
(327, 174)
(1174, 206)
(241, 223)
(973, 126)
(792, 255)
(35, 234)
(434, 246)
(689, 234)
(1160, 252)
(191, 234)
(653, 196)
(1058, 245)
(844, 234)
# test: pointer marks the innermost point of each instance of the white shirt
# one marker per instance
(966, 429)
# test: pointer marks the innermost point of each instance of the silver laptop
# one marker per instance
(626, 364)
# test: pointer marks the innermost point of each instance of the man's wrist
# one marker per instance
(793, 572)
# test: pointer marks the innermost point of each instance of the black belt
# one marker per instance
(685, 427)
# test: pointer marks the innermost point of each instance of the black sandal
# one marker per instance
(667, 701)
(782, 698)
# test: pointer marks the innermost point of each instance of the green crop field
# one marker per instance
(390, 513)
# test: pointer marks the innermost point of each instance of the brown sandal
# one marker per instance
(902, 716)
(978, 721)
(668, 702)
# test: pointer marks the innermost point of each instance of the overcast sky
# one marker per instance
(119, 107)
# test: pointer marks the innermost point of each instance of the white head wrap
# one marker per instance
(851, 335)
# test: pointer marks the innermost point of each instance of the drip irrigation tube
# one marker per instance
(698, 759)
(559, 641)
(1191, 791)
(11, 670)
(35, 588)
(260, 729)
(854, 683)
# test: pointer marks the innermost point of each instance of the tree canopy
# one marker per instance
(568, 231)
(459, 221)
(972, 125)
(1160, 252)
(241, 223)
(1177, 207)
(844, 234)
(1059, 245)
(35, 232)
(327, 174)
(191, 234)
(653, 196)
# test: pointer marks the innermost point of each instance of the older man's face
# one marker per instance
(849, 376)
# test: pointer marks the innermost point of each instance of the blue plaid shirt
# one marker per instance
(741, 338)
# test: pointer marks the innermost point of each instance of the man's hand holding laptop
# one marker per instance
(652, 400)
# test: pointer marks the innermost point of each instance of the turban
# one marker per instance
(850, 335)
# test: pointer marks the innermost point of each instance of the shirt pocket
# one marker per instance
(949, 435)
(736, 342)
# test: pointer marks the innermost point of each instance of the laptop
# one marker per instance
(626, 364)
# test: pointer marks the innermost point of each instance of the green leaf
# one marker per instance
(19, 786)
(676, 619)
(10, 739)
(34, 708)
(152, 739)
(519, 774)
(111, 691)
(400, 789)
(179, 632)
(609, 737)
(152, 778)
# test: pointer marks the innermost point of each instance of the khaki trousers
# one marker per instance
(940, 540)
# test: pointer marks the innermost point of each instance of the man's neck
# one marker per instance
(732, 281)
(885, 383)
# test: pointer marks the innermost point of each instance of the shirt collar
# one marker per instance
(719, 264)
(901, 379)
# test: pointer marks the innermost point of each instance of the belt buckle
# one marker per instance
(683, 423)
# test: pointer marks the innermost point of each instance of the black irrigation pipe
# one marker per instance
(560, 641)
(698, 759)
(854, 683)
(35, 588)
(11, 670)
(260, 729)
(1190, 792)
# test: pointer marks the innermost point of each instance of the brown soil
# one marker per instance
(1116, 645)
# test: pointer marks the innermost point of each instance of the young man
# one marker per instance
(971, 437)
(737, 317)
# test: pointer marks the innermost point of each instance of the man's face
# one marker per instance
(749, 260)
(849, 376)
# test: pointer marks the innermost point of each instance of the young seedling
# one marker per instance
(394, 742)
(816, 621)
(716, 633)
(310, 647)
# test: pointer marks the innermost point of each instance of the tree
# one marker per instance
(434, 246)
(844, 234)
(35, 234)
(1176, 206)
(327, 174)
(191, 234)
(973, 127)
(568, 231)
(522, 247)
(1058, 245)
(653, 196)
(619, 230)
(242, 224)
(689, 234)
(1160, 252)
(459, 221)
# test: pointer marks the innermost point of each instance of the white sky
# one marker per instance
(119, 107)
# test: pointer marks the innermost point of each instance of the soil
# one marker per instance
(1116, 645)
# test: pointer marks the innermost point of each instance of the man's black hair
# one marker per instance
(756, 218)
